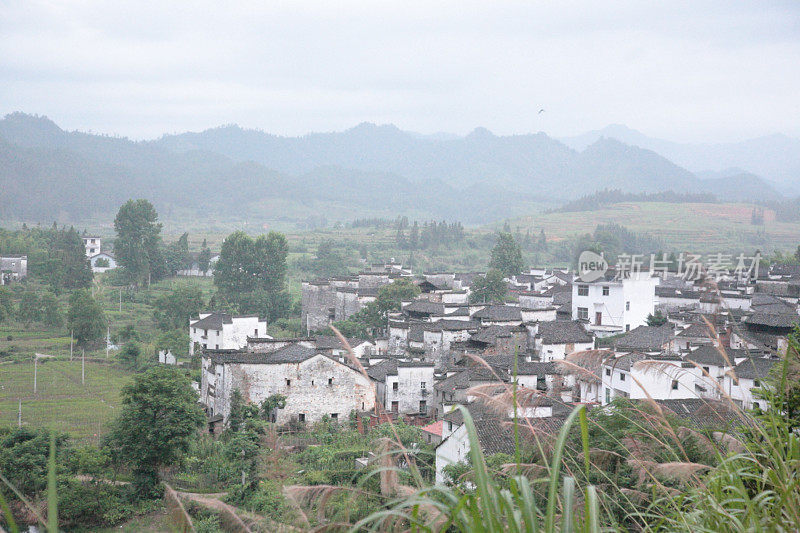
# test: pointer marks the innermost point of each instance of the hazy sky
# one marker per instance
(686, 71)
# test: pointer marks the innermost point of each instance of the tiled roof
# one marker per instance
(773, 320)
(490, 334)
(754, 367)
(452, 325)
(213, 321)
(469, 376)
(709, 354)
(331, 342)
(562, 332)
(435, 428)
(697, 330)
(387, 367)
(294, 353)
(425, 307)
(702, 413)
(498, 312)
(646, 338)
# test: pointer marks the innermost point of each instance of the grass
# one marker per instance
(61, 402)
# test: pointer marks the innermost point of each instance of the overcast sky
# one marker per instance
(694, 71)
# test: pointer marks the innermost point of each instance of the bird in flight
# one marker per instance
(540, 112)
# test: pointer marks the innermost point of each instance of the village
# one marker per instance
(693, 348)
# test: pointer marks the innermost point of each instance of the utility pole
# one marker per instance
(19, 414)
(108, 339)
(120, 299)
(83, 367)
(35, 359)
(71, 338)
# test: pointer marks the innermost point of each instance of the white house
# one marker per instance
(610, 305)
(638, 376)
(314, 384)
(555, 340)
(748, 375)
(13, 268)
(103, 258)
(92, 245)
(404, 386)
(221, 331)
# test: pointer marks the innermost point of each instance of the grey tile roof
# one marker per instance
(709, 355)
(470, 376)
(697, 330)
(645, 338)
(424, 307)
(294, 353)
(452, 325)
(213, 321)
(498, 312)
(490, 334)
(387, 367)
(702, 413)
(331, 342)
(773, 320)
(562, 332)
(754, 367)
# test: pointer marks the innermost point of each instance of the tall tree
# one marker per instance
(174, 309)
(176, 255)
(159, 419)
(204, 259)
(490, 288)
(85, 317)
(30, 308)
(138, 240)
(506, 255)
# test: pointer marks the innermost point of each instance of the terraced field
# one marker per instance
(697, 227)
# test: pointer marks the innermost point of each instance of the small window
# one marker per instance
(706, 369)
(288, 382)
(627, 306)
(608, 371)
(301, 417)
(674, 384)
(449, 426)
(217, 346)
(621, 376)
(330, 381)
(583, 313)
(255, 332)
(312, 382)
(395, 407)
(334, 416)
(756, 383)
(608, 395)
(395, 386)
(423, 407)
(756, 406)
(627, 327)
(583, 290)
(423, 385)
(606, 290)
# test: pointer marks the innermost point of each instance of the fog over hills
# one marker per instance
(368, 170)
(775, 158)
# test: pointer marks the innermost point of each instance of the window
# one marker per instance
(423, 385)
(621, 376)
(583, 290)
(627, 306)
(330, 381)
(395, 386)
(583, 313)
(756, 406)
(598, 318)
(706, 369)
(756, 383)
(288, 382)
(301, 417)
(608, 395)
(449, 426)
(423, 407)
(395, 407)
(334, 416)
(255, 332)
(608, 371)
(312, 382)
(217, 346)
(627, 327)
(606, 290)
(674, 384)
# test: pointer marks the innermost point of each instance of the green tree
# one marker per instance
(373, 316)
(51, 310)
(204, 259)
(85, 317)
(506, 255)
(251, 273)
(138, 241)
(65, 265)
(176, 341)
(174, 309)
(391, 295)
(176, 255)
(159, 419)
(129, 354)
(656, 319)
(6, 304)
(29, 308)
(490, 288)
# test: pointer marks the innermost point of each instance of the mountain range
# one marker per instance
(370, 170)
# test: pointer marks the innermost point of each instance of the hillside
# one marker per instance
(700, 227)
(230, 173)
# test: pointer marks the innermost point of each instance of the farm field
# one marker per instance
(700, 227)
(61, 401)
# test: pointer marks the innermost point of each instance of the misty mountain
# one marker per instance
(776, 158)
(46, 172)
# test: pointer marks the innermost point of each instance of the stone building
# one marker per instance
(221, 331)
(404, 387)
(314, 384)
(13, 268)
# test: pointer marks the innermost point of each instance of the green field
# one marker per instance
(695, 227)
(61, 401)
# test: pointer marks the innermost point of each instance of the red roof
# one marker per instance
(435, 428)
